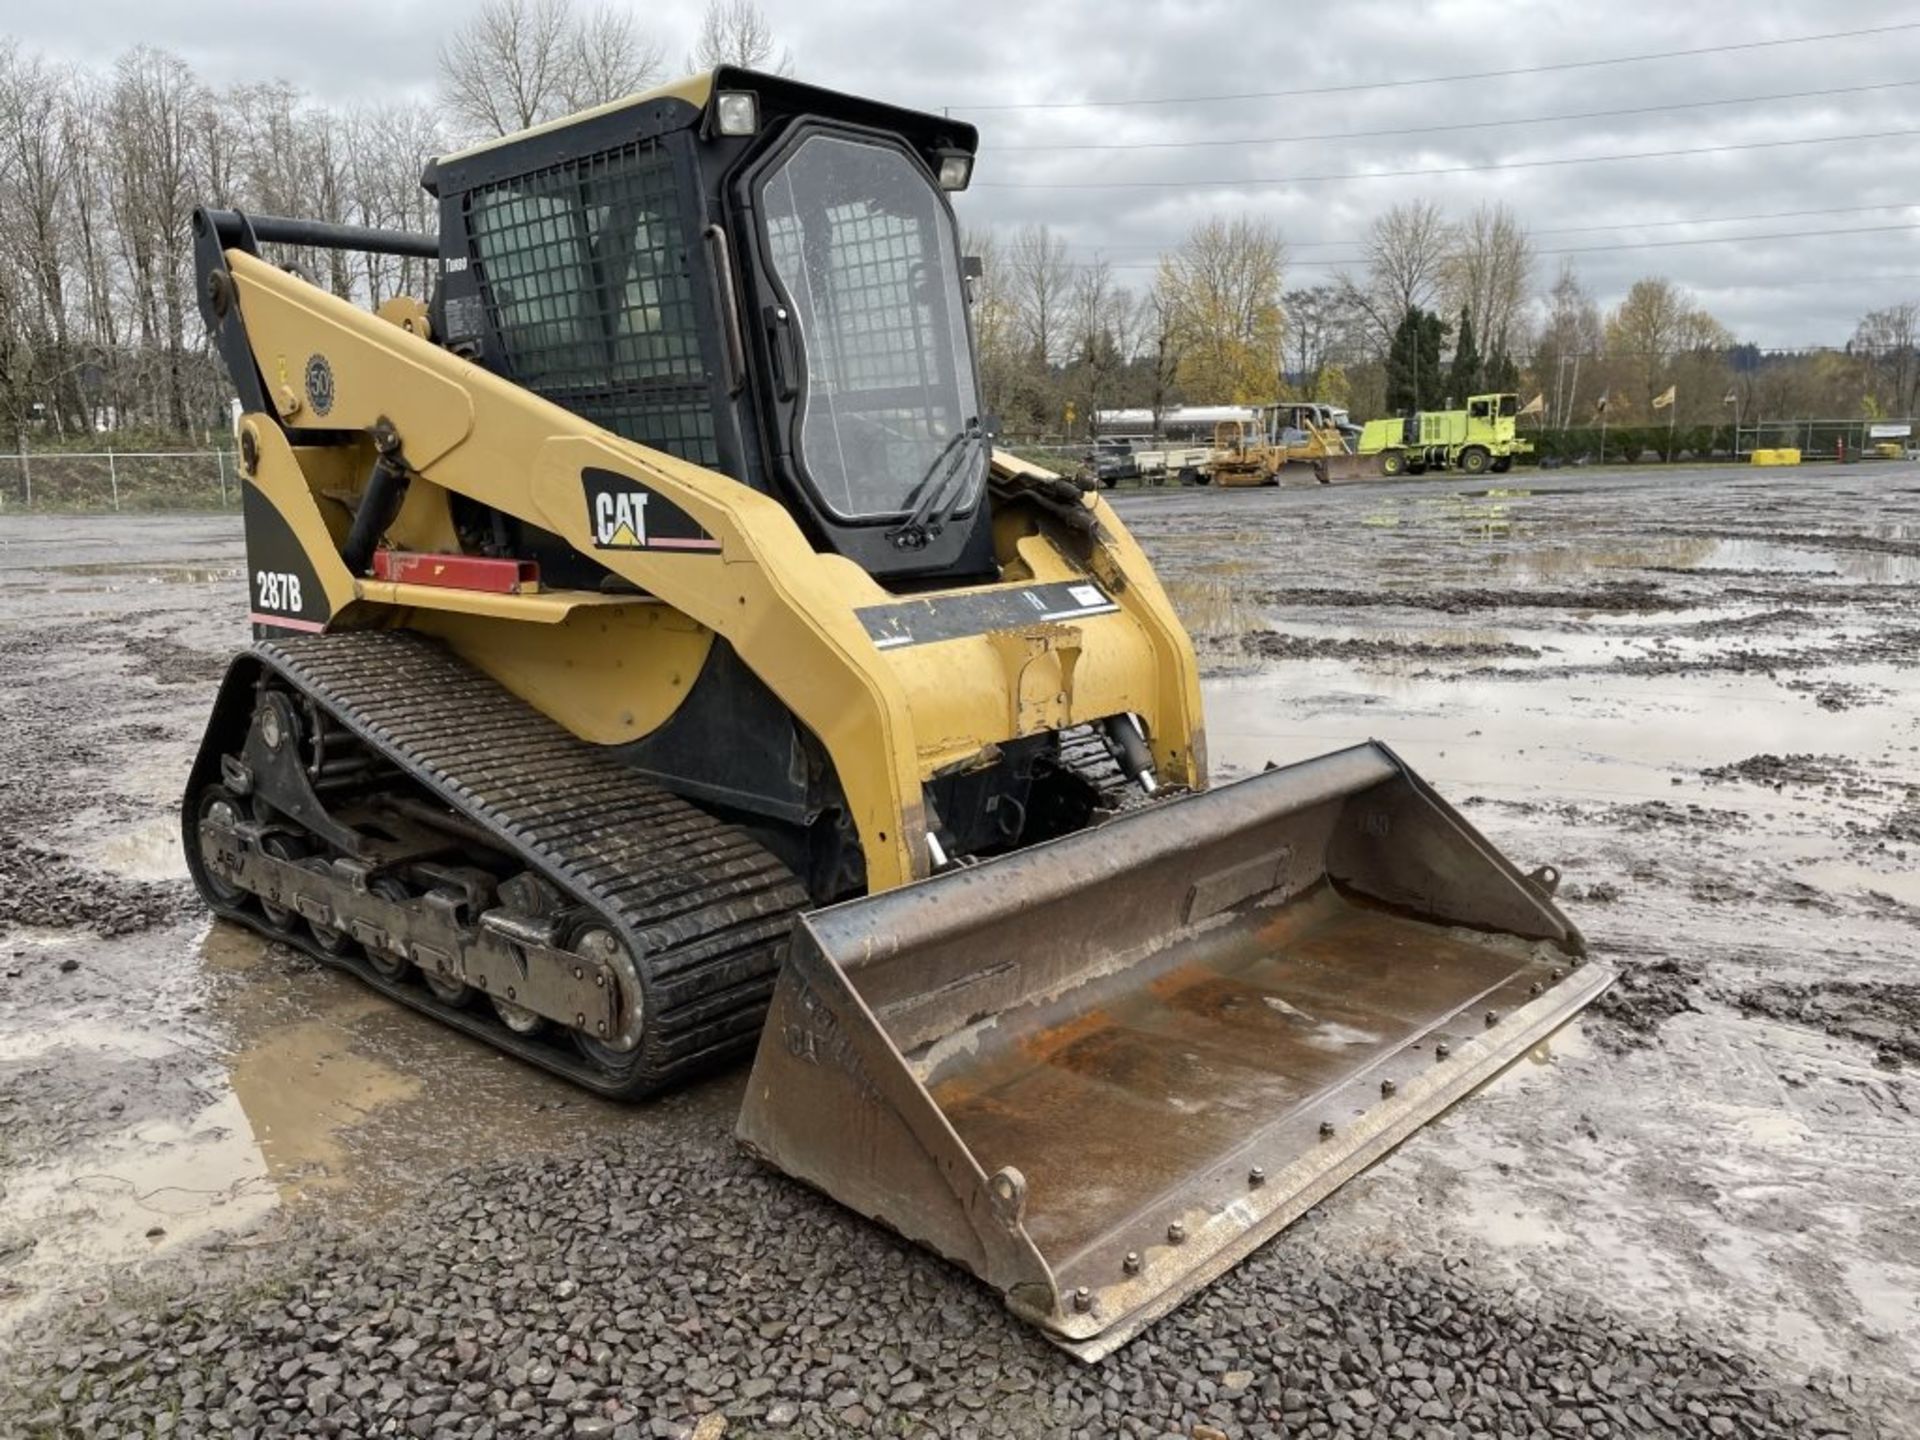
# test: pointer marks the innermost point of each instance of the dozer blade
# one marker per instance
(1345, 469)
(1099, 1072)
(1328, 469)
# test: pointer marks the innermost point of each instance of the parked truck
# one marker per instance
(1477, 439)
(1154, 462)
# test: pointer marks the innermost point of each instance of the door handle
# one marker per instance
(786, 363)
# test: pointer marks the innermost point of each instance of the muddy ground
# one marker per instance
(241, 1194)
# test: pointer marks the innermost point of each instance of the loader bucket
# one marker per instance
(1099, 1072)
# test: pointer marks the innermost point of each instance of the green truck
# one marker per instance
(1477, 439)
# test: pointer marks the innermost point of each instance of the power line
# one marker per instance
(1730, 239)
(1449, 79)
(1728, 219)
(1436, 170)
(1463, 125)
(1630, 245)
(1099, 249)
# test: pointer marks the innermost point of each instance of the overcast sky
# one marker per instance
(1774, 291)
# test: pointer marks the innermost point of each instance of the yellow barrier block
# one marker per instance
(1776, 457)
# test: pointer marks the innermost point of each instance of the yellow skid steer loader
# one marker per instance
(655, 660)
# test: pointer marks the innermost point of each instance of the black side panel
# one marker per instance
(283, 591)
(732, 744)
(736, 751)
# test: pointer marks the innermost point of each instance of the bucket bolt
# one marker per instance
(1256, 1176)
(1083, 1299)
(1387, 1087)
(1176, 1232)
(1132, 1263)
(1442, 1050)
(1493, 1018)
(1534, 988)
(1326, 1129)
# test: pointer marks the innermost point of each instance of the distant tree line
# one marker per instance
(1436, 310)
(100, 170)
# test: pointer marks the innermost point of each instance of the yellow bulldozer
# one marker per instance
(1299, 440)
(655, 663)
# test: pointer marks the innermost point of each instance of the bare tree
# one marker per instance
(1568, 343)
(1323, 328)
(736, 32)
(1039, 279)
(1406, 252)
(35, 187)
(608, 56)
(1656, 325)
(1161, 328)
(387, 147)
(520, 62)
(154, 104)
(993, 326)
(1888, 341)
(1224, 286)
(1102, 328)
(1489, 274)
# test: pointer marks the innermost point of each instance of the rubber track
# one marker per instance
(704, 909)
(1083, 750)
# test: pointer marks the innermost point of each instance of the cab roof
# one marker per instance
(683, 104)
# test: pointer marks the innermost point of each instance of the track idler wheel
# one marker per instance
(517, 1018)
(221, 805)
(389, 965)
(281, 847)
(333, 938)
(616, 1056)
(394, 968)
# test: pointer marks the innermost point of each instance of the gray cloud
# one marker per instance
(992, 52)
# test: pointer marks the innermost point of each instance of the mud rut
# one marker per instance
(240, 1192)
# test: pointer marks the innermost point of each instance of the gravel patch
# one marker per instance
(678, 1290)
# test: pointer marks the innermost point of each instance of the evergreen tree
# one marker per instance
(1402, 357)
(1414, 373)
(1466, 377)
(1503, 376)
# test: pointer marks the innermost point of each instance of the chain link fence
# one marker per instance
(118, 480)
(1831, 439)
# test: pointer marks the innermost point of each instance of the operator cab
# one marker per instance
(755, 275)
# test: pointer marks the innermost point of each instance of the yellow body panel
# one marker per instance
(694, 89)
(610, 673)
(888, 719)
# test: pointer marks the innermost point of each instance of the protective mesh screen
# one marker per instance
(584, 273)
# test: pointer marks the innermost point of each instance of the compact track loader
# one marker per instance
(655, 661)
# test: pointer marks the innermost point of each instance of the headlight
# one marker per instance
(956, 169)
(737, 112)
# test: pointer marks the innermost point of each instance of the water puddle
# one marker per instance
(1850, 877)
(147, 851)
(1555, 739)
(1212, 607)
(1707, 554)
(287, 1085)
(149, 574)
(140, 1193)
